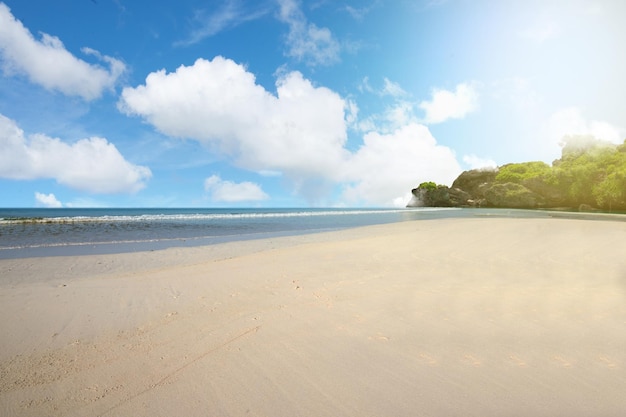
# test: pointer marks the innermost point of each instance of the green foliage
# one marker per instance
(535, 176)
(430, 186)
(510, 195)
(522, 172)
(611, 191)
(578, 145)
(590, 172)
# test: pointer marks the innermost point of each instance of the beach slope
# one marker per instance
(450, 317)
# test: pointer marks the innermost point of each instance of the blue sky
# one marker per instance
(286, 103)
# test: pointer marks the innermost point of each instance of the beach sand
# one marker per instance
(454, 317)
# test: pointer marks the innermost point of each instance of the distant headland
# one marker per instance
(590, 175)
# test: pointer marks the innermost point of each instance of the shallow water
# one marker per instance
(52, 232)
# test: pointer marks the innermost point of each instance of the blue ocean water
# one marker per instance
(69, 231)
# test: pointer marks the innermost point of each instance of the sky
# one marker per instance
(287, 103)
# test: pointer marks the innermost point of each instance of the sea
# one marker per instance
(35, 232)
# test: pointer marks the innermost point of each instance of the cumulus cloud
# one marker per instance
(46, 62)
(92, 164)
(306, 41)
(233, 192)
(570, 121)
(300, 131)
(450, 104)
(47, 200)
(389, 165)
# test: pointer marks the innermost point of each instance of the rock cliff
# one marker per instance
(476, 188)
(591, 174)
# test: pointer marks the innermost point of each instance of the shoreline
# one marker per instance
(160, 244)
(464, 316)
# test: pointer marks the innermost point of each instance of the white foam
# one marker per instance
(204, 216)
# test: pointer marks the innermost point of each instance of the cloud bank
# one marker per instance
(300, 132)
(46, 62)
(387, 166)
(93, 165)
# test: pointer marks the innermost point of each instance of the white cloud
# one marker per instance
(390, 165)
(231, 192)
(47, 200)
(392, 89)
(305, 41)
(476, 162)
(365, 85)
(570, 121)
(46, 62)
(359, 13)
(229, 15)
(393, 117)
(450, 104)
(301, 131)
(400, 114)
(389, 88)
(92, 165)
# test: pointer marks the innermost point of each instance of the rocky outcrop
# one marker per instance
(475, 188)
(511, 195)
(590, 175)
(437, 196)
(475, 182)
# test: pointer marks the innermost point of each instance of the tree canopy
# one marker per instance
(590, 172)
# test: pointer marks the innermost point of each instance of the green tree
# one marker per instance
(522, 172)
(582, 167)
(430, 186)
(610, 190)
(536, 176)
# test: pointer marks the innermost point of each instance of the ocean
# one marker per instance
(68, 231)
(73, 231)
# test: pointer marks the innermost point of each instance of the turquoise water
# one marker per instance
(53, 232)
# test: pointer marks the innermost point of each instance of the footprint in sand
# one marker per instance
(426, 358)
(607, 362)
(518, 361)
(472, 360)
(562, 361)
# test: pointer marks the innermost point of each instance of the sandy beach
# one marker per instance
(450, 317)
